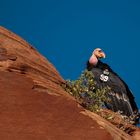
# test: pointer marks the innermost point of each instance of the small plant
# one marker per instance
(86, 92)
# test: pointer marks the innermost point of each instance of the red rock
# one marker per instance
(33, 106)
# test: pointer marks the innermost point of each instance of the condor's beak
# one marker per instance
(102, 55)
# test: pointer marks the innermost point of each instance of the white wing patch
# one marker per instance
(123, 98)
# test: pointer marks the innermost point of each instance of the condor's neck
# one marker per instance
(93, 60)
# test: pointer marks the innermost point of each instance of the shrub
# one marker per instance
(86, 92)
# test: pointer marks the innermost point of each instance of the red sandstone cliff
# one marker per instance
(33, 106)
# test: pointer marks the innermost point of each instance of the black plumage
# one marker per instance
(121, 97)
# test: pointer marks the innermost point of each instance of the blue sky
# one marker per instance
(67, 31)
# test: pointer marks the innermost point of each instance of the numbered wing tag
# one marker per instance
(105, 76)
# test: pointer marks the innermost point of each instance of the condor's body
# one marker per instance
(121, 97)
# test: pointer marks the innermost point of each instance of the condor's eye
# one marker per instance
(100, 50)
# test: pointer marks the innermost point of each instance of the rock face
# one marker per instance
(33, 106)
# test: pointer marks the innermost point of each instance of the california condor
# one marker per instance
(122, 99)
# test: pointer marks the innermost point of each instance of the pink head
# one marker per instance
(97, 54)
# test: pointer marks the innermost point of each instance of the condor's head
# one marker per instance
(96, 55)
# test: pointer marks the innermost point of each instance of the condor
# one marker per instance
(122, 99)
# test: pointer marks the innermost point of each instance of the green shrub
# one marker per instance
(86, 92)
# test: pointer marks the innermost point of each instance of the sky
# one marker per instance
(67, 31)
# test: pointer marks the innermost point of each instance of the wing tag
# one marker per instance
(104, 76)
